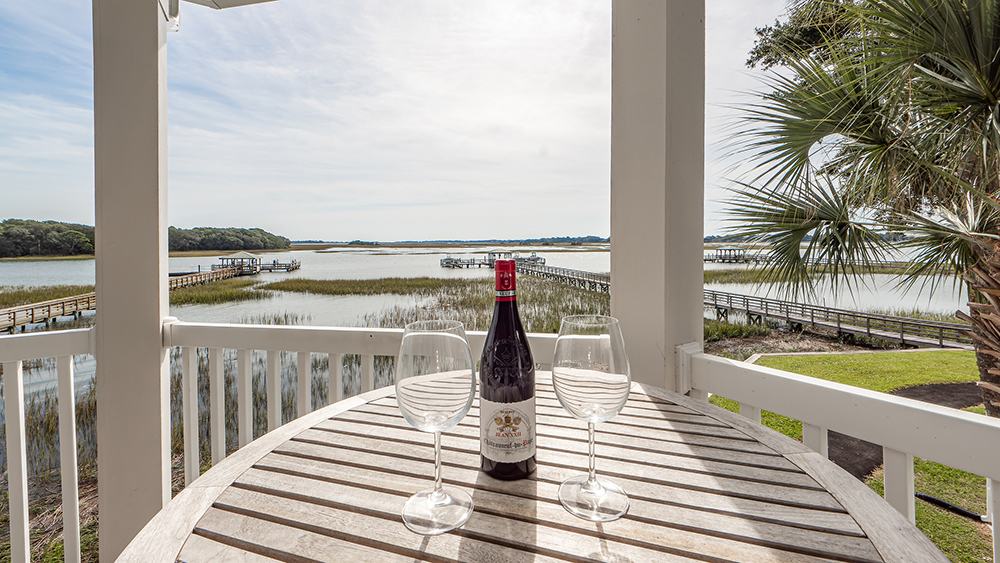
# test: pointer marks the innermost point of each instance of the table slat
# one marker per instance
(650, 522)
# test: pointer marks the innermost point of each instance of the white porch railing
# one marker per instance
(303, 341)
(14, 351)
(903, 427)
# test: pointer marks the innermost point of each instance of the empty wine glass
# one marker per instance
(591, 377)
(435, 385)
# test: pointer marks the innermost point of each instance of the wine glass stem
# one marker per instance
(592, 480)
(437, 464)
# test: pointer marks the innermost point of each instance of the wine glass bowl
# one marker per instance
(591, 377)
(435, 387)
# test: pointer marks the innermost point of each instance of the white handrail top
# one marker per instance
(31, 346)
(960, 439)
(319, 339)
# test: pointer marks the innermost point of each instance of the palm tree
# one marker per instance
(894, 128)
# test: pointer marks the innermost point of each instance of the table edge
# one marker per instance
(892, 535)
(187, 508)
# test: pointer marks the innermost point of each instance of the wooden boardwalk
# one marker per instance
(913, 332)
(46, 311)
(450, 262)
(577, 278)
(42, 312)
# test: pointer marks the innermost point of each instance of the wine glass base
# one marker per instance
(604, 503)
(426, 514)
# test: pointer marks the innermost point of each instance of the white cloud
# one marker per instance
(339, 119)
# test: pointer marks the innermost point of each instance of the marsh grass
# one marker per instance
(284, 318)
(15, 296)
(736, 275)
(399, 286)
(541, 305)
(223, 291)
(914, 313)
(721, 330)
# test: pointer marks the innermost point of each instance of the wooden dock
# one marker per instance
(912, 332)
(42, 312)
(576, 278)
(280, 266)
(256, 267)
(46, 311)
(906, 331)
(450, 262)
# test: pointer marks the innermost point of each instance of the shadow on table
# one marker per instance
(499, 519)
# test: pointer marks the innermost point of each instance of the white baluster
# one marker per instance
(751, 412)
(367, 372)
(67, 460)
(336, 381)
(217, 404)
(189, 394)
(303, 378)
(899, 482)
(992, 506)
(17, 461)
(244, 395)
(272, 381)
(816, 439)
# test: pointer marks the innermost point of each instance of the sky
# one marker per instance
(344, 119)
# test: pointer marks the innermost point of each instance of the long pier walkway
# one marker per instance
(913, 332)
(907, 331)
(73, 306)
(577, 278)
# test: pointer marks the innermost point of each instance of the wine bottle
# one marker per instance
(507, 387)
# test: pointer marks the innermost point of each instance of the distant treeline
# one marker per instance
(210, 238)
(21, 237)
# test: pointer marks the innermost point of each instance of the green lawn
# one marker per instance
(882, 371)
(961, 539)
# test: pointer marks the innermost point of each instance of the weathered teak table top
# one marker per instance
(705, 485)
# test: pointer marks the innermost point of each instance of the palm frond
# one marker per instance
(840, 247)
(948, 242)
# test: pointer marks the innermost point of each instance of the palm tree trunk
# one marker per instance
(984, 308)
(989, 373)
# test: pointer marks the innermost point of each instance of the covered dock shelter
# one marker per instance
(248, 264)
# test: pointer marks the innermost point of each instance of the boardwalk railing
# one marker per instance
(44, 311)
(917, 332)
(203, 277)
(578, 278)
(40, 312)
(904, 427)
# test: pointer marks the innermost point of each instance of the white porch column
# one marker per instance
(657, 180)
(130, 143)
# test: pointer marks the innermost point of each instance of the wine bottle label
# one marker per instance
(507, 430)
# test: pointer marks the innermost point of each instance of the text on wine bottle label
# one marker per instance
(507, 430)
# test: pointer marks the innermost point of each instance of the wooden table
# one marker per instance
(705, 485)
